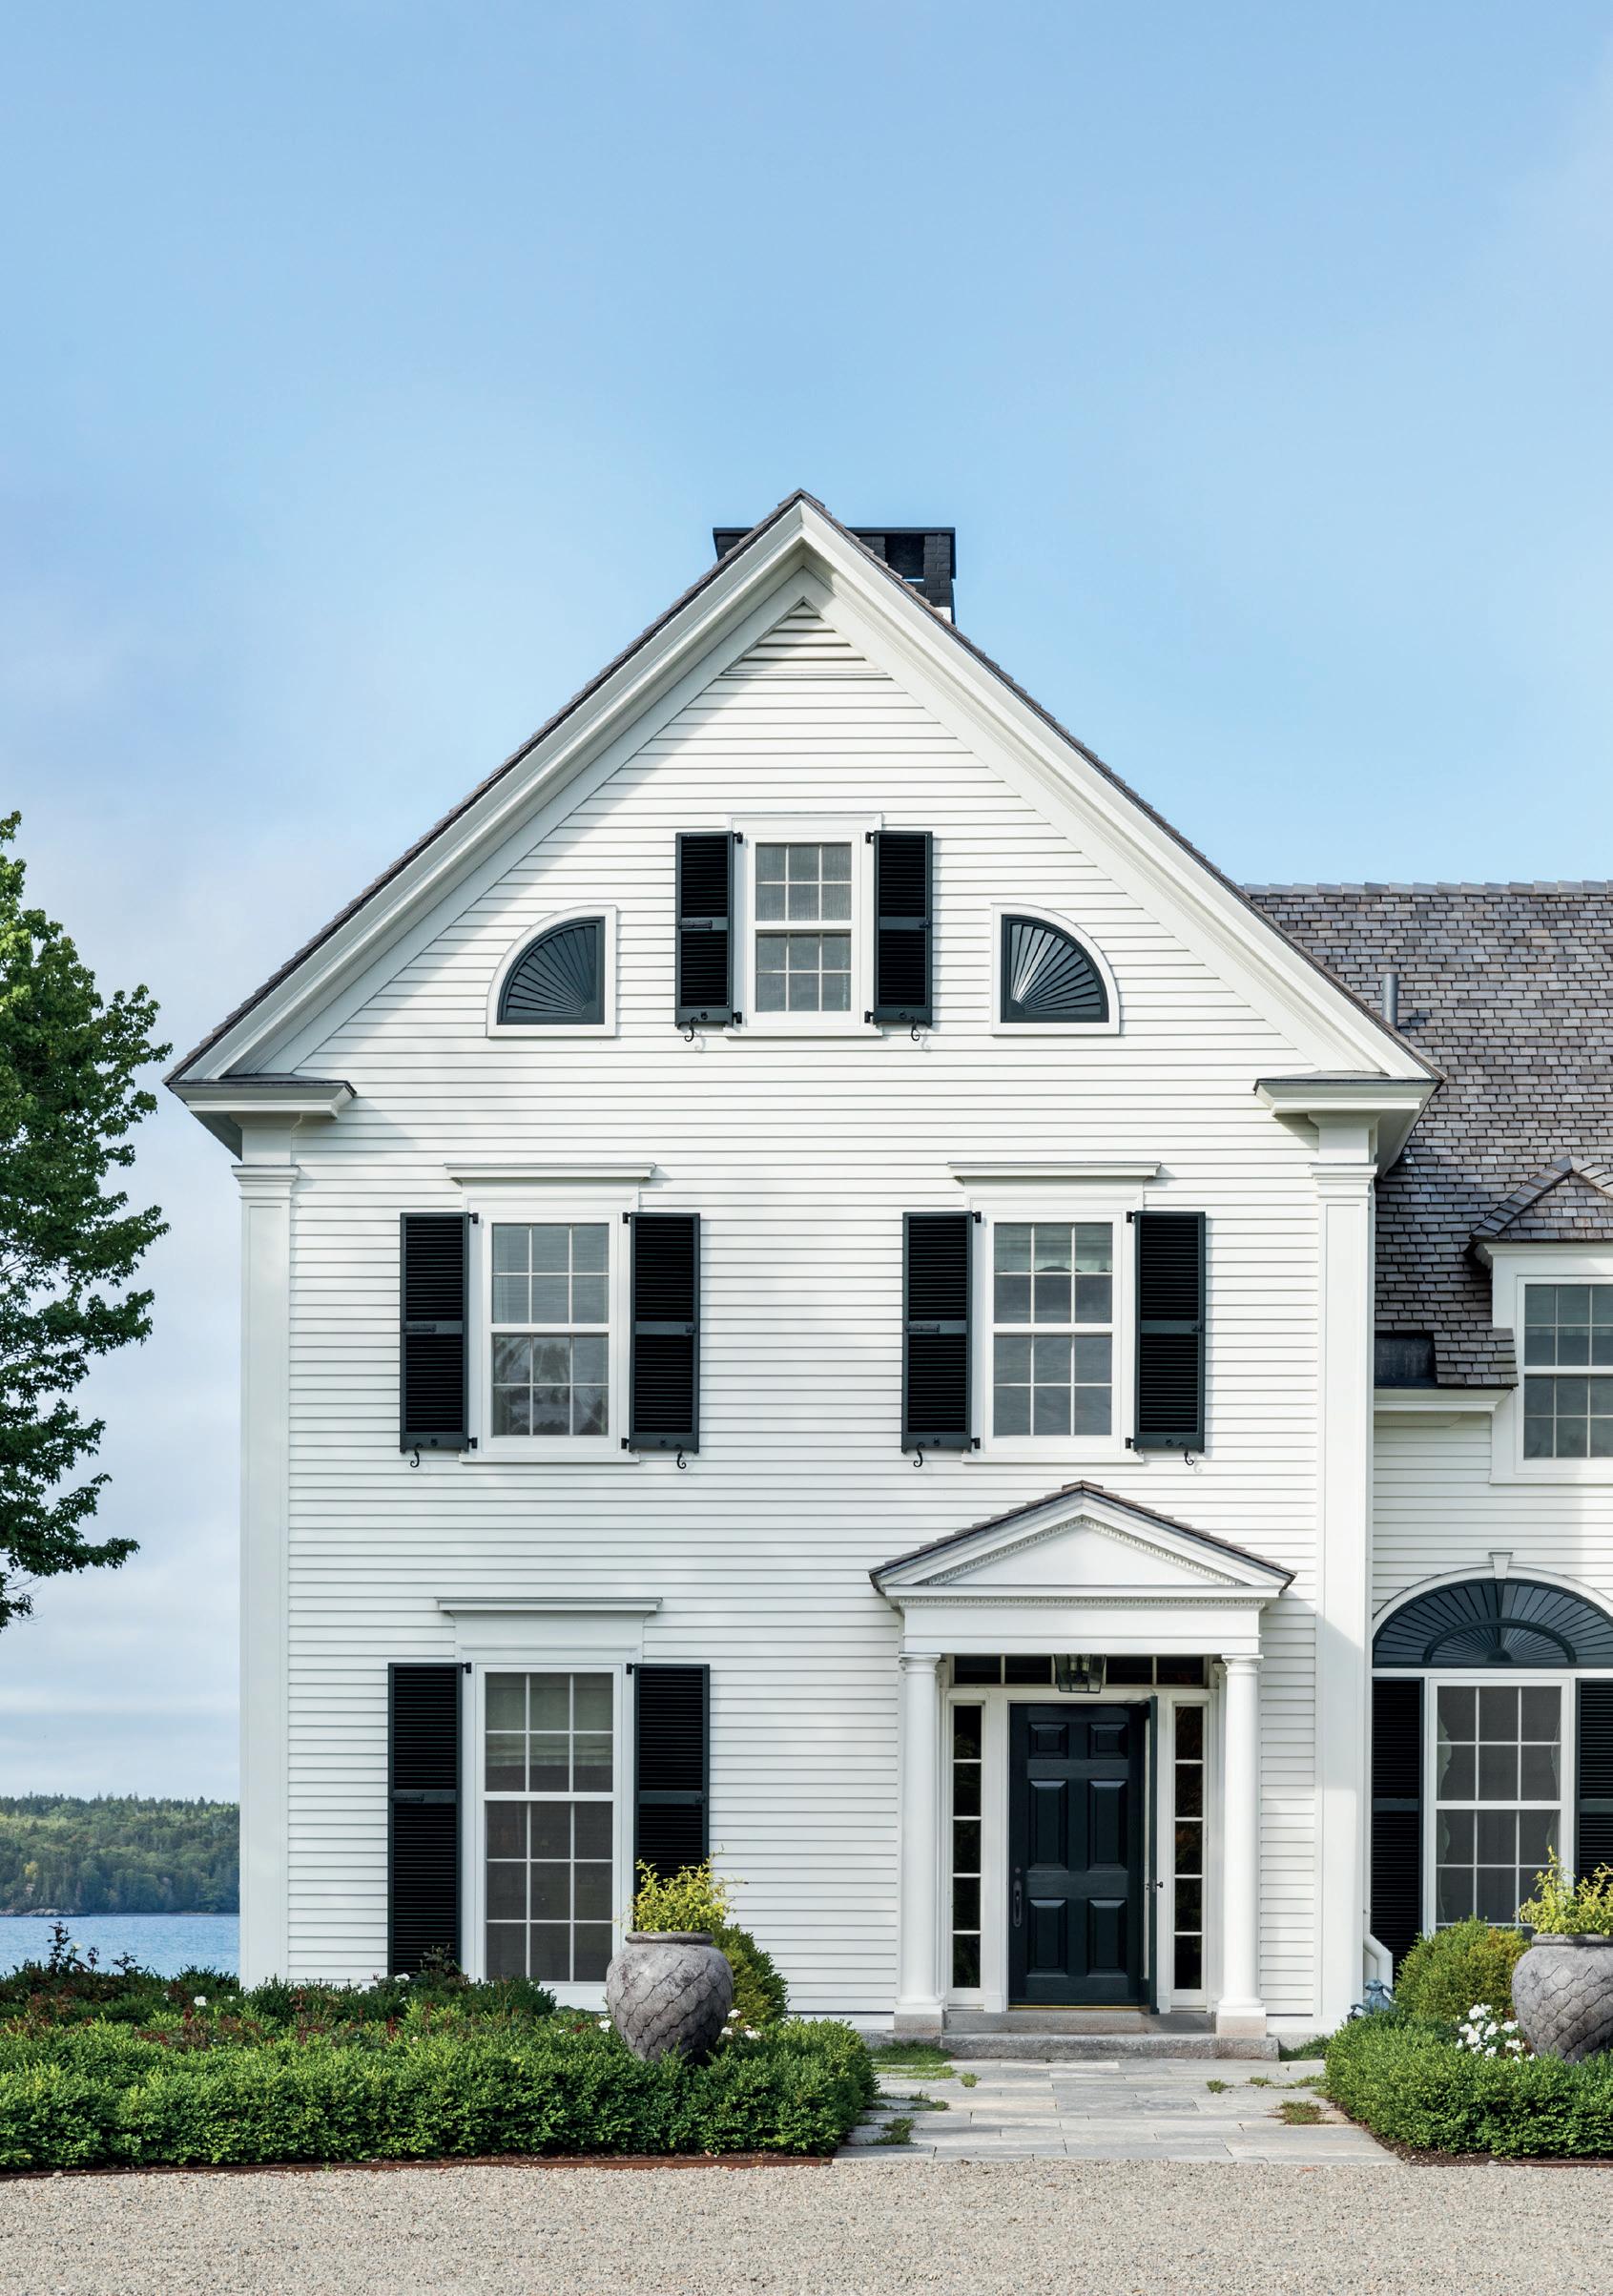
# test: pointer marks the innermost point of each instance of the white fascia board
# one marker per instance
(904, 635)
(949, 1569)
(1437, 1402)
(222, 1106)
(741, 602)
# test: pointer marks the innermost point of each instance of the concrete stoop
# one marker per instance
(1104, 2048)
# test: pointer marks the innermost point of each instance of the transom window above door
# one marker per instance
(1053, 1365)
(803, 943)
(1568, 1371)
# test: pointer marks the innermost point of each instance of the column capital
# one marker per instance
(266, 1182)
(1242, 1664)
(919, 1662)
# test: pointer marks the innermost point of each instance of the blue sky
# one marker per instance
(373, 370)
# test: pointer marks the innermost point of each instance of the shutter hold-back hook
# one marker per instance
(917, 1455)
(414, 1461)
(689, 1032)
(682, 1462)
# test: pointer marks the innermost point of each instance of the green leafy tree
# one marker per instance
(69, 1243)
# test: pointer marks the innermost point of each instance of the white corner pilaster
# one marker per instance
(267, 1181)
(1240, 2009)
(1345, 1168)
(918, 2003)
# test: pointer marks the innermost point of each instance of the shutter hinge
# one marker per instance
(475, 1219)
(868, 837)
(1130, 1217)
(470, 1442)
(465, 1667)
(976, 1217)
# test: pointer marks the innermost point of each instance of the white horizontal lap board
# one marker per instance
(801, 1157)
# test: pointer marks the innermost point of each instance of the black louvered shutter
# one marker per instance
(423, 1838)
(664, 1378)
(1397, 1815)
(1169, 1330)
(902, 942)
(432, 1345)
(1593, 1836)
(671, 1742)
(937, 1249)
(705, 928)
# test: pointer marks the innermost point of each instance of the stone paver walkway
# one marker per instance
(1142, 2109)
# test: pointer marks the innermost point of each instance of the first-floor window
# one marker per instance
(1497, 1796)
(1053, 1328)
(549, 1780)
(552, 1327)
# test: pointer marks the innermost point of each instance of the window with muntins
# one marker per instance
(550, 1328)
(967, 1750)
(1052, 1364)
(1568, 1371)
(1497, 1794)
(548, 1785)
(803, 940)
(1188, 1801)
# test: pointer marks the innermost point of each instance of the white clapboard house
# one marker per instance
(809, 1292)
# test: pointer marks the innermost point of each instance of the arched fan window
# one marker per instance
(558, 980)
(1048, 979)
(1496, 1623)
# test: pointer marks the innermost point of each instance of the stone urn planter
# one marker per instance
(1563, 1991)
(668, 1989)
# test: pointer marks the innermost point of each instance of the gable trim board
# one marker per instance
(800, 554)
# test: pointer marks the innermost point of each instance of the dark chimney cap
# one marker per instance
(925, 557)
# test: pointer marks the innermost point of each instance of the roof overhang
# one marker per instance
(1383, 1108)
(1083, 1570)
(227, 1103)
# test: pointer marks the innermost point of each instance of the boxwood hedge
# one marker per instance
(1406, 2080)
(90, 2093)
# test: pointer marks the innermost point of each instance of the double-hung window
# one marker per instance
(552, 1327)
(1498, 1793)
(803, 894)
(1053, 1329)
(549, 1794)
(1568, 1371)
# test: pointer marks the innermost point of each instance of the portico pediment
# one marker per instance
(1080, 1570)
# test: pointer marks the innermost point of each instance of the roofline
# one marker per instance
(1074, 1492)
(712, 574)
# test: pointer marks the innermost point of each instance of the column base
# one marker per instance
(920, 2021)
(1241, 2021)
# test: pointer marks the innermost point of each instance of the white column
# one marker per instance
(1345, 1169)
(266, 1182)
(1240, 2008)
(919, 2005)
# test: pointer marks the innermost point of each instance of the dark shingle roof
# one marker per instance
(1508, 990)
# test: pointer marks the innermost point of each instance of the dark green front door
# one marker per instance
(1075, 1854)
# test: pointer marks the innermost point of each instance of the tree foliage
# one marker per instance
(70, 1060)
(117, 1853)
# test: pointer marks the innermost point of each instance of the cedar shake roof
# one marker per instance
(1508, 990)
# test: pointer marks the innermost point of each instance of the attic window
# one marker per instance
(1048, 980)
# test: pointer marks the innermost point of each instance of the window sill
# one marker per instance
(840, 1031)
(1016, 1451)
(511, 1451)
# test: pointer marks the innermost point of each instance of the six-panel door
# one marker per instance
(1075, 1854)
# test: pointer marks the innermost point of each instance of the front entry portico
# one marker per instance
(1076, 1898)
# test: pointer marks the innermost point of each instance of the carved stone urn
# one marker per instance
(1563, 1991)
(668, 1989)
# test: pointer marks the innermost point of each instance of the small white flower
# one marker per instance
(201, 2000)
(604, 2024)
(750, 2034)
(1478, 2009)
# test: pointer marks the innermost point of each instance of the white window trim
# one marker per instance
(521, 1202)
(1494, 1678)
(806, 829)
(588, 1995)
(991, 1994)
(1512, 1267)
(1100, 964)
(518, 948)
(1069, 1205)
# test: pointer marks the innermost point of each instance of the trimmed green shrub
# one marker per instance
(1448, 1973)
(1564, 1905)
(1407, 2081)
(83, 2095)
(697, 1898)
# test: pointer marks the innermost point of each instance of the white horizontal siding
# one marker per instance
(801, 1157)
(1436, 1510)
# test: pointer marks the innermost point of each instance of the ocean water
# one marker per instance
(166, 1942)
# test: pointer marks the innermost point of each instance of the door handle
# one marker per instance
(1019, 1898)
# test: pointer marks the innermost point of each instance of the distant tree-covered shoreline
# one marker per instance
(117, 1853)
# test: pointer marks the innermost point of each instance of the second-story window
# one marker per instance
(550, 1328)
(803, 894)
(1052, 1328)
(1568, 1371)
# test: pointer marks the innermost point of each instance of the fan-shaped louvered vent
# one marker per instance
(1048, 975)
(1497, 1623)
(559, 982)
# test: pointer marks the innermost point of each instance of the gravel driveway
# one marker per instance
(984, 2229)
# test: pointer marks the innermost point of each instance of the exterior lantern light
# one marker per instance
(1086, 1674)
